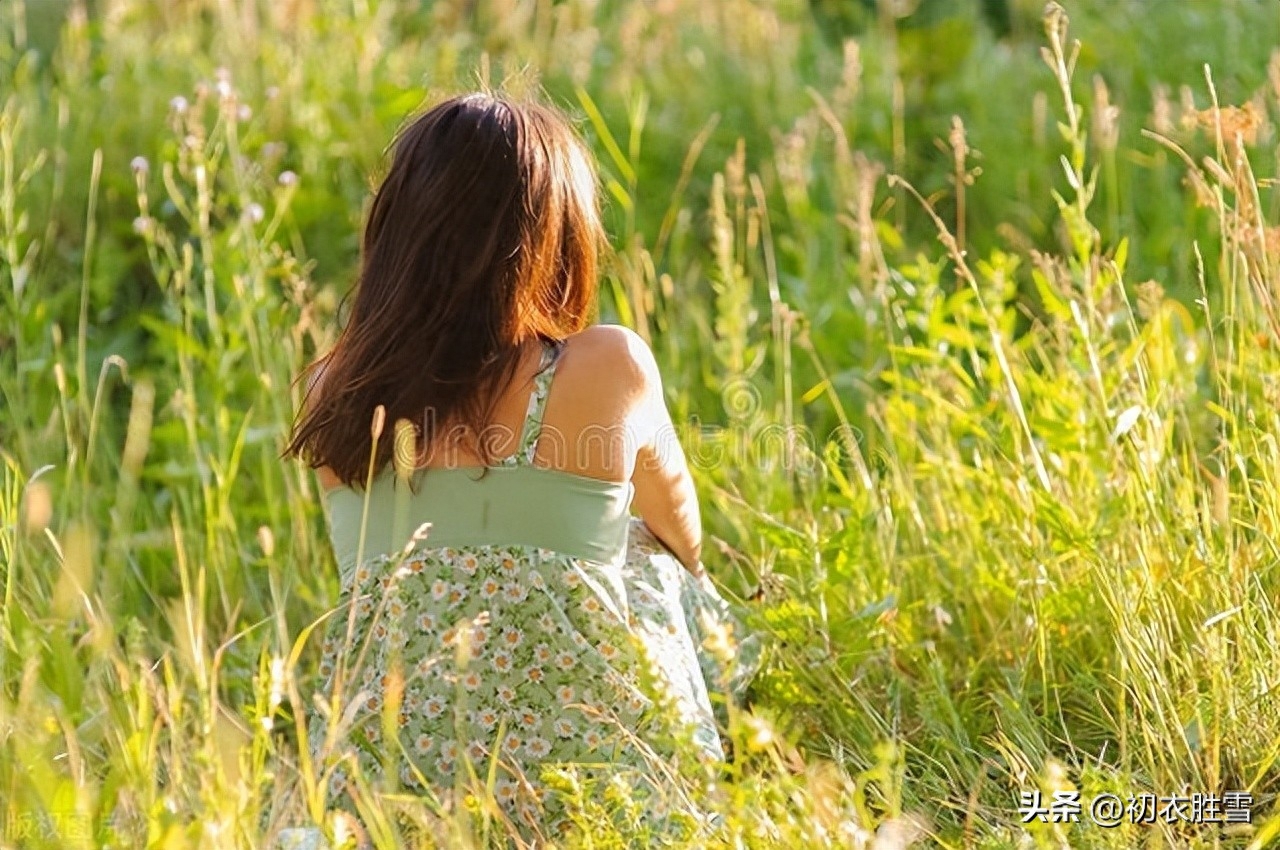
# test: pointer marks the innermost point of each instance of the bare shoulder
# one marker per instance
(607, 377)
(614, 354)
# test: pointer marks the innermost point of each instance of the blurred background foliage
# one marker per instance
(1028, 533)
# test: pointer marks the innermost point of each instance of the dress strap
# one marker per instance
(538, 401)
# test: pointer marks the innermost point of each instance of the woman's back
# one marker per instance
(523, 627)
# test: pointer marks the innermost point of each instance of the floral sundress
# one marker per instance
(496, 662)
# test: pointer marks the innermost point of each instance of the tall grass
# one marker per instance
(987, 442)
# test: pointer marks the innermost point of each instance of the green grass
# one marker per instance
(1026, 535)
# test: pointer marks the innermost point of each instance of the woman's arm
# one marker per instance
(665, 499)
(664, 493)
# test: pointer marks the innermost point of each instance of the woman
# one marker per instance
(481, 446)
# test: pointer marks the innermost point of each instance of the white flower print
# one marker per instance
(409, 776)
(542, 654)
(538, 747)
(485, 718)
(434, 706)
(477, 750)
(572, 579)
(565, 694)
(547, 623)
(457, 595)
(422, 744)
(426, 622)
(609, 651)
(564, 728)
(592, 739)
(502, 661)
(508, 565)
(439, 588)
(527, 718)
(566, 661)
(512, 743)
(535, 674)
(505, 791)
(506, 693)
(511, 637)
(449, 750)
(471, 680)
(490, 587)
(514, 591)
(470, 563)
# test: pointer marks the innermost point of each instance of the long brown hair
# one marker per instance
(483, 235)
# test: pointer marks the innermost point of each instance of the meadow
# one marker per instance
(972, 321)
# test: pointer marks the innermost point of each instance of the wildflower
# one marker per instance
(140, 165)
(142, 225)
(287, 179)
